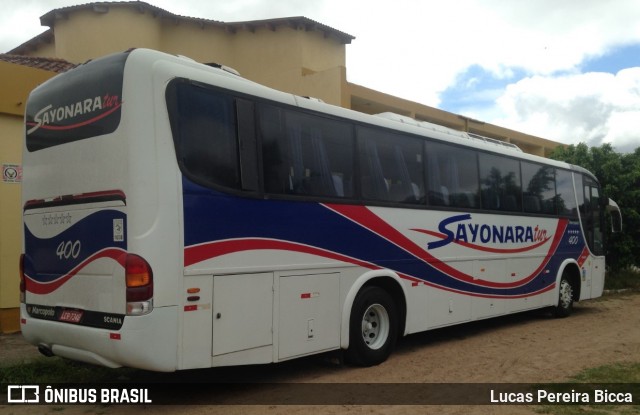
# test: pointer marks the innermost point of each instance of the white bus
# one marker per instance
(178, 216)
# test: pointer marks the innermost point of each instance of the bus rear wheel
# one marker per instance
(565, 298)
(373, 327)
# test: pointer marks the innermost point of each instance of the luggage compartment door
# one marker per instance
(242, 312)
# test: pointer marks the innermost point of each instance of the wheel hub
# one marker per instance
(375, 326)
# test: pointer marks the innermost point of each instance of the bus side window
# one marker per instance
(539, 188)
(247, 143)
(305, 154)
(452, 176)
(204, 128)
(566, 196)
(391, 167)
(500, 183)
(591, 213)
(274, 154)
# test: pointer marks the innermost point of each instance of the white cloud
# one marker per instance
(623, 130)
(545, 36)
(19, 25)
(416, 49)
(594, 108)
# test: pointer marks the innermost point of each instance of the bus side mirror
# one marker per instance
(616, 219)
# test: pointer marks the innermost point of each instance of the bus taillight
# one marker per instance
(23, 285)
(139, 278)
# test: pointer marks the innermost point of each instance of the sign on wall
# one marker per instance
(11, 173)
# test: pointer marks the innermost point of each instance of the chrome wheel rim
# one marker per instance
(566, 294)
(375, 326)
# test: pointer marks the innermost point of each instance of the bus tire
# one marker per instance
(373, 327)
(565, 298)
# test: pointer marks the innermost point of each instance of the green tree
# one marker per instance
(619, 176)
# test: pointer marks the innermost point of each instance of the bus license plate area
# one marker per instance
(71, 316)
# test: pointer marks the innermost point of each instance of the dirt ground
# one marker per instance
(526, 348)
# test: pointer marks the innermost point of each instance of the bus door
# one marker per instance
(592, 222)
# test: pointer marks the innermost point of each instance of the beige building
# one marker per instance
(18, 76)
(293, 54)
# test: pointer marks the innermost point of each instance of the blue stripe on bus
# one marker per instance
(46, 262)
(211, 216)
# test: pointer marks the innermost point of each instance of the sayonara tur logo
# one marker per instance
(461, 230)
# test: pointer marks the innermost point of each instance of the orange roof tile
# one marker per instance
(48, 64)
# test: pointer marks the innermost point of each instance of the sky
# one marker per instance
(568, 70)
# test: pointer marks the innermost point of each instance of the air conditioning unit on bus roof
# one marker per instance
(212, 65)
(223, 67)
(442, 129)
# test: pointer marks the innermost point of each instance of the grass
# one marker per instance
(624, 279)
(57, 370)
(619, 372)
(619, 377)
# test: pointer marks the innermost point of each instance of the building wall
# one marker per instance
(10, 223)
(15, 83)
(87, 34)
(284, 57)
(203, 43)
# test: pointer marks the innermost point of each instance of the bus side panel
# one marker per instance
(597, 266)
(476, 265)
(309, 314)
(242, 312)
(196, 321)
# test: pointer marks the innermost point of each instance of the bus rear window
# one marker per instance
(82, 103)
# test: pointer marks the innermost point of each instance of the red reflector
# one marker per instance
(23, 321)
(138, 271)
(414, 284)
(190, 308)
(139, 278)
(305, 295)
(114, 336)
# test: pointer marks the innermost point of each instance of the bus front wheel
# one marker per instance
(565, 298)
(373, 327)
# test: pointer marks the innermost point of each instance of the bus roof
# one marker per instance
(392, 121)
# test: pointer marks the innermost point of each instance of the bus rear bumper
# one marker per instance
(145, 342)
